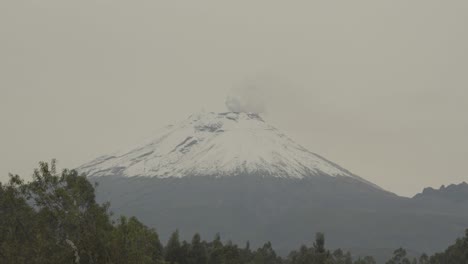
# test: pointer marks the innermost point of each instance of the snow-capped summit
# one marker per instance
(219, 145)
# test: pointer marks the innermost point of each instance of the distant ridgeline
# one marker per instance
(453, 193)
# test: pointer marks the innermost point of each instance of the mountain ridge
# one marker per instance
(457, 193)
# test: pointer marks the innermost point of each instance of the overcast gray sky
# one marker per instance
(379, 87)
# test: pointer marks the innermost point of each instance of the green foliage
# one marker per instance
(197, 252)
(55, 219)
(266, 255)
(455, 254)
(399, 257)
(318, 254)
(74, 224)
(18, 242)
(133, 242)
(173, 252)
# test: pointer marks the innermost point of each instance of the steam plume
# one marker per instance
(248, 98)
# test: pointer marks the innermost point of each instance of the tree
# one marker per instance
(215, 250)
(55, 219)
(317, 254)
(173, 249)
(399, 257)
(135, 243)
(456, 253)
(17, 225)
(246, 253)
(266, 255)
(229, 254)
(321, 254)
(319, 244)
(74, 225)
(197, 251)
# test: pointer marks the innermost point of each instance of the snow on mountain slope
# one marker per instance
(218, 144)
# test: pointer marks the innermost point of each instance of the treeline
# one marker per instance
(55, 219)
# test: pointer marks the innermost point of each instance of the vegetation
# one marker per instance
(457, 253)
(55, 219)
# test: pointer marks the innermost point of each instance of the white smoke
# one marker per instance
(247, 98)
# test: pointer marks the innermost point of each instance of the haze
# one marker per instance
(379, 87)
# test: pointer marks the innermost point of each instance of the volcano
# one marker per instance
(219, 145)
(234, 174)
